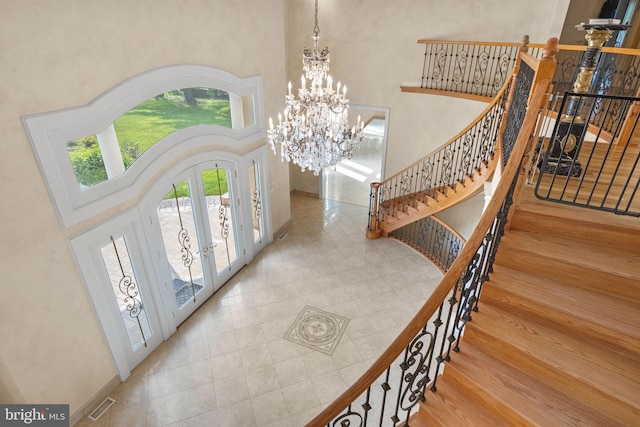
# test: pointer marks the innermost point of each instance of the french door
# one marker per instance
(195, 230)
(149, 268)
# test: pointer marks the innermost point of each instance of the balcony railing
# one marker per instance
(389, 392)
(479, 69)
(468, 67)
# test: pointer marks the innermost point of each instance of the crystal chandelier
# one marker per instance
(314, 130)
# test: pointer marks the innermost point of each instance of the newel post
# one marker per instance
(547, 65)
(372, 228)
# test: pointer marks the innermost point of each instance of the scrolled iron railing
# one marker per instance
(479, 69)
(517, 109)
(474, 68)
(434, 239)
(390, 391)
(578, 167)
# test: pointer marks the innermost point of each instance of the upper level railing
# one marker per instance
(390, 390)
(617, 71)
(474, 68)
(478, 70)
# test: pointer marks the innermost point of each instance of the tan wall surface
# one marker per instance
(61, 54)
(374, 51)
(579, 12)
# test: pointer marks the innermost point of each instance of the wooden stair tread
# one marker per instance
(450, 406)
(562, 222)
(535, 402)
(433, 200)
(615, 338)
(563, 359)
(529, 202)
(590, 276)
(613, 313)
(616, 197)
(606, 259)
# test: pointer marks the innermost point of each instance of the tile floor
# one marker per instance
(228, 364)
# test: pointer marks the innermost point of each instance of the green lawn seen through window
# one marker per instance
(156, 118)
(149, 122)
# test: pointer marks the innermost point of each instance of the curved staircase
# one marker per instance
(415, 206)
(535, 322)
(451, 174)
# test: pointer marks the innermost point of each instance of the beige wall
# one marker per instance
(374, 51)
(577, 13)
(465, 216)
(61, 54)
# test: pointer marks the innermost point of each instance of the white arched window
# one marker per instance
(107, 128)
(161, 185)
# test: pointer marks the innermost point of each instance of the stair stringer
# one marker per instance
(406, 214)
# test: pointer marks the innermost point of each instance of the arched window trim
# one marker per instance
(49, 132)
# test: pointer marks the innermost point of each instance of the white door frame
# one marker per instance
(384, 110)
(86, 248)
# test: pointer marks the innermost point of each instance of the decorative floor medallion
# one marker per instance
(317, 330)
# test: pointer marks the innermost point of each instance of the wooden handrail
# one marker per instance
(450, 278)
(563, 47)
(485, 43)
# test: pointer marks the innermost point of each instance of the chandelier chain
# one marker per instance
(316, 28)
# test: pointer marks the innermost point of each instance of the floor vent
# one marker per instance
(282, 236)
(97, 413)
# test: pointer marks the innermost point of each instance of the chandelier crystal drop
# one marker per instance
(314, 130)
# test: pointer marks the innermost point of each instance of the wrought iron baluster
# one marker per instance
(465, 166)
(366, 405)
(423, 82)
(348, 419)
(447, 165)
(438, 323)
(222, 216)
(130, 291)
(385, 387)
(185, 244)
(415, 377)
(460, 65)
(440, 70)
